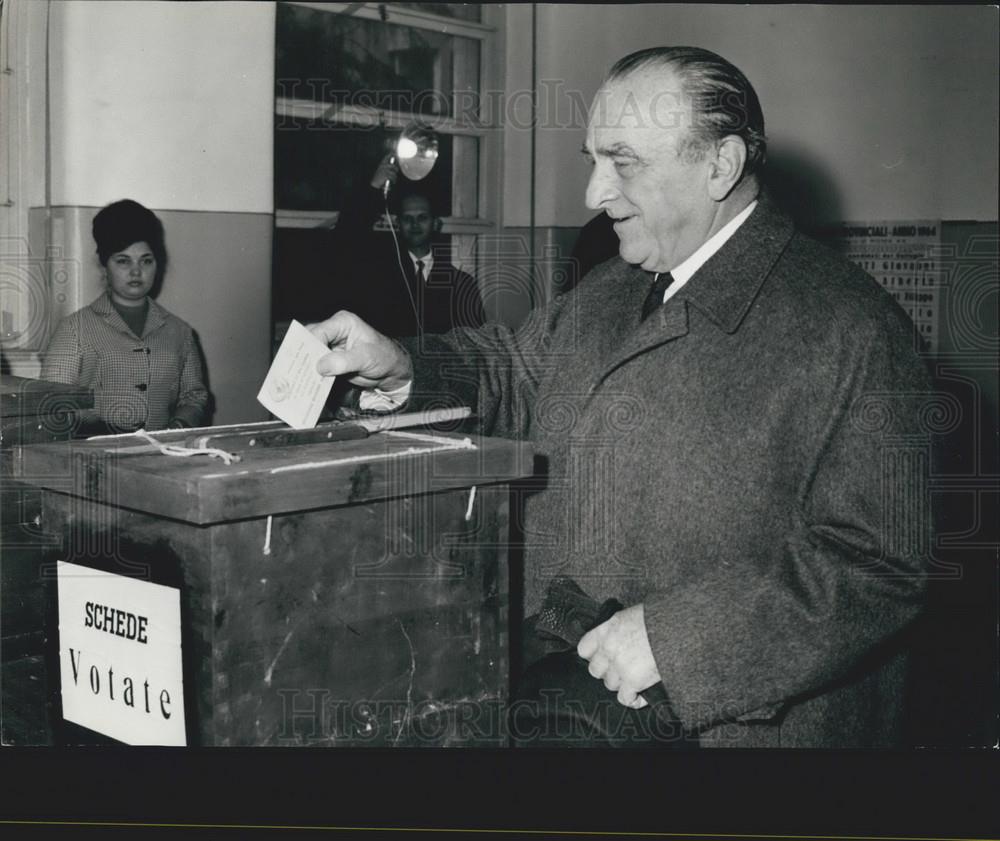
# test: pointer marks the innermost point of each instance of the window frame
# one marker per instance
(463, 229)
(403, 16)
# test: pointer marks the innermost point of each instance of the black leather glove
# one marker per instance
(559, 703)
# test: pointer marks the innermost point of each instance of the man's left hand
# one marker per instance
(619, 654)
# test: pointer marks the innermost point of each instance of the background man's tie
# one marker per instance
(420, 272)
(655, 296)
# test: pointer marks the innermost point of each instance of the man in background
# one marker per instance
(407, 289)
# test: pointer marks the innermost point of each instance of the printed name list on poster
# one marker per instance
(904, 257)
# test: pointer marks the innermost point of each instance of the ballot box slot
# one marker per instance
(241, 437)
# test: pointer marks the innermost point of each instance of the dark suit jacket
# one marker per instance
(596, 243)
(368, 281)
(447, 298)
(750, 463)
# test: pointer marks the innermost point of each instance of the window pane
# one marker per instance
(317, 164)
(461, 11)
(302, 275)
(305, 285)
(329, 57)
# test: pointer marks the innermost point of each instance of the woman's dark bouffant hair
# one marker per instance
(124, 222)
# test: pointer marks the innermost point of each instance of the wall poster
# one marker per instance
(904, 257)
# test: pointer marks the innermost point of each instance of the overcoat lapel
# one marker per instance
(723, 289)
(666, 324)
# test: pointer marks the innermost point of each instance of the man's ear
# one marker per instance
(438, 224)
(727, 167)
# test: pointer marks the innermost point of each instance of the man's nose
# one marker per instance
(600, 188)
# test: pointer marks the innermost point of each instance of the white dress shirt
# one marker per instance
(683, 273)
(427, 260)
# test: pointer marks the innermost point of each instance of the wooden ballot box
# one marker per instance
(314, 592)
(31, 411)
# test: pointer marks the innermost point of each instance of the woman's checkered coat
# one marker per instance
(143, 381)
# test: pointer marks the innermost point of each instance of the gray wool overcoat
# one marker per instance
(750, 463)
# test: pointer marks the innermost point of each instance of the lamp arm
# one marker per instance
(388, 183)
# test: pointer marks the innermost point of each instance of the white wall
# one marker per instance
(516, 112)
(22, 180)
(172, 104)
(168, 103)
(893, 108)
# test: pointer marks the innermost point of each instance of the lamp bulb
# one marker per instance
(406, 148)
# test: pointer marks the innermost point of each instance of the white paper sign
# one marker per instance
(293, 390)
(120, 656)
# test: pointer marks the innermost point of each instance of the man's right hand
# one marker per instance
(373, 360)
(388, 170)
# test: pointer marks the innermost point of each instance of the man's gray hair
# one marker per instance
(723, 101)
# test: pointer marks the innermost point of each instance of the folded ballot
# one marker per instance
(293, 390)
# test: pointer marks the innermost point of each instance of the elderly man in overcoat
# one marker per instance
(730, 419)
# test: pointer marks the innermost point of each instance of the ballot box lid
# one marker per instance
(127, 472)
(21, 397)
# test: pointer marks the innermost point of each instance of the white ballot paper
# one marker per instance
(293, 389)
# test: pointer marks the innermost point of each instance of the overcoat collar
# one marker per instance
(723, 289)
(155, 316)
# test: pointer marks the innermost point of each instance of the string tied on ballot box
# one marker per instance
(179, 450)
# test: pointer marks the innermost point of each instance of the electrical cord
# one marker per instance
(399, 261)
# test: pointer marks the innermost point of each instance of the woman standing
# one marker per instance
(142, 362)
